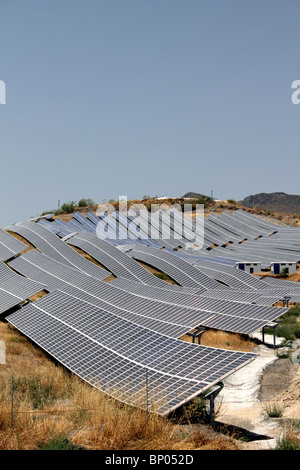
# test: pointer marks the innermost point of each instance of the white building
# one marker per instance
(249, 266)
(277, 267)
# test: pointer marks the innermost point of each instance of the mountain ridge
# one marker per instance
(276, 201)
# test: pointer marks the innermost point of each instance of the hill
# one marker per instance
(279, 202)
(193, 195)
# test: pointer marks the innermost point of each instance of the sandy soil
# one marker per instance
(247, 393)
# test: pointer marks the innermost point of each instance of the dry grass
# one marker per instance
(155, 271)
(110, 276)
(225, 340)
(50, 403)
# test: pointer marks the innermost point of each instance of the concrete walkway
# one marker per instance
(238, 404)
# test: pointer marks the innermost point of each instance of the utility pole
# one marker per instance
(212, 200)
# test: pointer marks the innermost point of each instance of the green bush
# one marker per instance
(274, 410)
(284, 273)
(85, 202)
(289, 327)
(283, 355)
(205, 200)
(163, 276)
(293, 312)
(59, 443)
(287, 442)
(195, 411)
(68, 206)
(39, 394)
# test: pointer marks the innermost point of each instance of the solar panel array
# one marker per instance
(117, 262)
(247, 237)
(218, 263)
(214, 271)
(124, 335)
(176, 268)
(48, 243)
(161, 309)
(171, 321)
(228, 238)
(134, 365)
(226, 315)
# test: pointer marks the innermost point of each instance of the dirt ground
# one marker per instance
(280, 383)
(280, 379)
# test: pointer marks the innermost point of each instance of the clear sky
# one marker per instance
(133, 97)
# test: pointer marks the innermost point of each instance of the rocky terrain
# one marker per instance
(279, 202)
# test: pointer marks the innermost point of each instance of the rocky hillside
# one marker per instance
(193, 195)
(279, 202)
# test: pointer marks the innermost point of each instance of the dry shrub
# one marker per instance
(289, 440)
(51, 403)
(220, 443)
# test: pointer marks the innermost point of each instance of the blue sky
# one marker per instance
(160, 97)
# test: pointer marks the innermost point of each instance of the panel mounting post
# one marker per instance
(211, 395)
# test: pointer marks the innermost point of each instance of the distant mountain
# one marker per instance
(193, 195)
(278, 202)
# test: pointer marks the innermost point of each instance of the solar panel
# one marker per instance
(14, 288)
(120, 264)
(42, 217)
(243, 228)
(232, 276)
(173, 321)
(52, 246)
(9, 246)
(115, 357)
(230, 315)
(176, 268)
(256, 221)
(86, 224)
(151, 226)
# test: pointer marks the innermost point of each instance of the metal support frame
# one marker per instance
(197, 334)
(211, 395)
(273, 325)
(285, 301)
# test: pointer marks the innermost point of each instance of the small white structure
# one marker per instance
(249, 267)
(277, 267)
